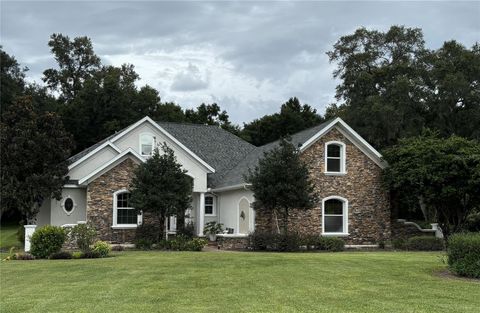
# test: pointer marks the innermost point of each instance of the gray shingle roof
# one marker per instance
(229, 155)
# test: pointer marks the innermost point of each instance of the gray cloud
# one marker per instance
(248, 57)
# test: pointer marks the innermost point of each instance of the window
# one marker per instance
(209, 205)
(335, 157)
(147, 144)
(123, 214)
(68, 205)
(335, 216)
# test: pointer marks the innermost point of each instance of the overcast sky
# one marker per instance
(249, 57)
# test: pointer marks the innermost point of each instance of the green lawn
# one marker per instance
(237, 282)
(8, 237)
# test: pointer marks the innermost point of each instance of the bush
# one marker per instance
(90, 255)
(60, 255)
(146, 236)
(83, 235)
(188, 230)
(399, 244)
(47, 240)
(77, 255)
(333, 244)
(102, 247)
(183, 243)
(143, 244)
(464, 254)
(118, 248)
(424, 243)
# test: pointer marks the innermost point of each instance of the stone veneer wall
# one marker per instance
(100, 202)
(368, 204)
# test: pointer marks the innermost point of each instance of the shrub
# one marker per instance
(333, 244)
(102, 247)
(196, 244)
(60, 255)
(424, 243)
(90, 255)
(183, 243)
(77, 255)
(188, 230)
(464, 254)
(118, 248)
(276, 242)
(83, 235)
(47, 240)
(399, 244)
(260, 241)
(143, 244)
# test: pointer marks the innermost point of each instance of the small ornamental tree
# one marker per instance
(444, 174)
(160, 187)
(34, 152)
(280, 183)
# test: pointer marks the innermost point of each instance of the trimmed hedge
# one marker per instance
(47, 240)
(464, 254)
(294, 242)
(424, 243)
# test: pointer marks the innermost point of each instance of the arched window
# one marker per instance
(147, 144)
(335, 216)
(124, 216)
(335, 157)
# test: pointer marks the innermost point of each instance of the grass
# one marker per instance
(8, 237)
(155, 281)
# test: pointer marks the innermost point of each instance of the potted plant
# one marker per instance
(212, 229)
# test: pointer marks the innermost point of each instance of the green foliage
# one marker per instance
(12, 80)
(187, 230)
(47, 240)
(211, 114)
(280, 182)
(83, 235)
(77, 255)
(21, 256)
(213, 228)
(145, 235)
(62, 255)
(399, 244)
(143, 244)
(464, 254)
(333, 244)
(424, 243)
(261, 241)
(102, 248)
(182, 243)
(444, 173)
(29, 175)
(392, 81)
(160, 187)
(293, 117)
(91, 255)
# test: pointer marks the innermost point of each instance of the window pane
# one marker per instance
(333, 150)
(126, 216)
(333, 165)
(209, 200)
(333, 224)
(123, 200)
(147, 149)
(208, 209)
(333, 206)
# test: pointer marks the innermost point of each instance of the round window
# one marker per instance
(68, 205)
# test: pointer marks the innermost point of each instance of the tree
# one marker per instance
(392, 86)
(444, 174)
(12, 80)
(77, 62)
(293, 117)
(211, 114)
(35, 147)
(160, 187)
(280, 183)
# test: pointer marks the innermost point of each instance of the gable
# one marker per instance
(92, 162)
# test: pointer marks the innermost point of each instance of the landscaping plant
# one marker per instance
(464, 254)
(424, 243)
(83, 235)
(102, 248)
(47, 240)
(212, 229)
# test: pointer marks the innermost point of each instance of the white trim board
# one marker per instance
(109, 163)
(351, 135)
(94, 151)
(168, 135)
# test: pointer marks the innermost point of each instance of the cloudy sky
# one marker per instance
(249, 57)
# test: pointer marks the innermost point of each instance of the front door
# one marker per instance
(244, 216)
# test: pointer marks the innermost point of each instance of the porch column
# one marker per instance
(29, 230)
(201, 214)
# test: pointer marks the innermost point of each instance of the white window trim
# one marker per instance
(214, 205)
(345, 216)
(114, 222)
(140, 143)
(74, 205)
(343, 157)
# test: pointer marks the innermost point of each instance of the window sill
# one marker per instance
(127, 226)
(210, 215)
(335, 173)
(336, 234)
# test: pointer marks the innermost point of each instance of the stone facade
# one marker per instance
(226, 243)
(100, 202)
(368, 203)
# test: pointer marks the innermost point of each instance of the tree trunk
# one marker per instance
(275, 216)
(423, 208)
(180, 221)
(285, 221)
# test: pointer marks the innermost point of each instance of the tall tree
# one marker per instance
(293, 117)
(12, 80)
(280, 183)
(35, 147)
(210, 114)
(76, 61)
(160, 187)
(444, 174)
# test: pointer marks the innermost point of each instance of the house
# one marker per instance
(345, 169)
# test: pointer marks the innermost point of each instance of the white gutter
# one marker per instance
(228, 188)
